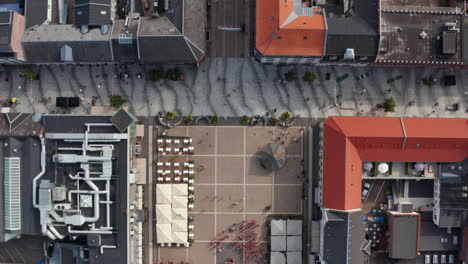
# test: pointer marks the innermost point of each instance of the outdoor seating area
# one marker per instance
(173, 171)
(241, 179)
(174, 146)
(174, 192)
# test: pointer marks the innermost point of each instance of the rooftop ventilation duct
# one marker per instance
(84, 29)
(104, 29)
(349, 54)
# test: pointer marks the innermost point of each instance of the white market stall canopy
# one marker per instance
(171, 213)
(163, 193)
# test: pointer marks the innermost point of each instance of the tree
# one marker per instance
(172, 74)
(245, 119)
(309, 77)
(389, 105)
(290, 76)
(188, 120)
(214, 119)
(31, 76)
(117, 101)
(274, 121)
(170, 115)
(156, 75)
(286, 116)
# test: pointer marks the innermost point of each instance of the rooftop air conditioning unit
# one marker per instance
(349, 54)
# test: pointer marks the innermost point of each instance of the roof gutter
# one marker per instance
(326, 32)
(404, 133)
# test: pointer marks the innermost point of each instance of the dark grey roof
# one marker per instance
(175, 15)
(124, 52)
(160, 49)
(176, 36)
(35, 12)
(92, 12)
(5, 31)
(432, 236)
(357, 30)
(5, 17)
(83, 51)
(122, 120)
(403, 231)
(344, 232)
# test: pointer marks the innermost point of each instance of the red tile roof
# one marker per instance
(279, 32)
(350, 140)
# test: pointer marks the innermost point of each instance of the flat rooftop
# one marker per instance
(419, 37)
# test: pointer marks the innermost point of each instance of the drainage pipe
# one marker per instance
(40, 174)
(55, 232)
(97, 231)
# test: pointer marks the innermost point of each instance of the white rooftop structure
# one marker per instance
(172, 213)
(294, 257)
(277, 258)
(294, 227)
(180, 189)
(294, 243)
(163, 193)
(278, 243)
(163, 214)
(278, 227)
(164, 232)
(179, 201)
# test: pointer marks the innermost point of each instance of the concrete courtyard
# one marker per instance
(234, 87)
(234, 187)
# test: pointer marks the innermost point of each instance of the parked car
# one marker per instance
(365, 190)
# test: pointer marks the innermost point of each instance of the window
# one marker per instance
(103, 12)
(79, 13)
(125, 38)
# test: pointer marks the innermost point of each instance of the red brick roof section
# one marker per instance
(350, 140)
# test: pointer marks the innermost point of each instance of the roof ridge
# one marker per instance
(336, 126)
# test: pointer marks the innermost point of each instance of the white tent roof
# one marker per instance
(163, 193)
(179, 201)
(180, 189)
(180, 237)
(163, 213)
(277, 258)
(278, 227)
(294, 243)
(294, 257)
(294, 228)
(179, 213)
(179, 226)
(278, 243)
(164, 232)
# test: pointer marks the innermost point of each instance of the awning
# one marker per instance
(180, 237)
(164, 232)
(179, 213)
(163, 193)
(163, 214)
(179, 226)
(273, 156)
(179, 201)
(180, 189)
